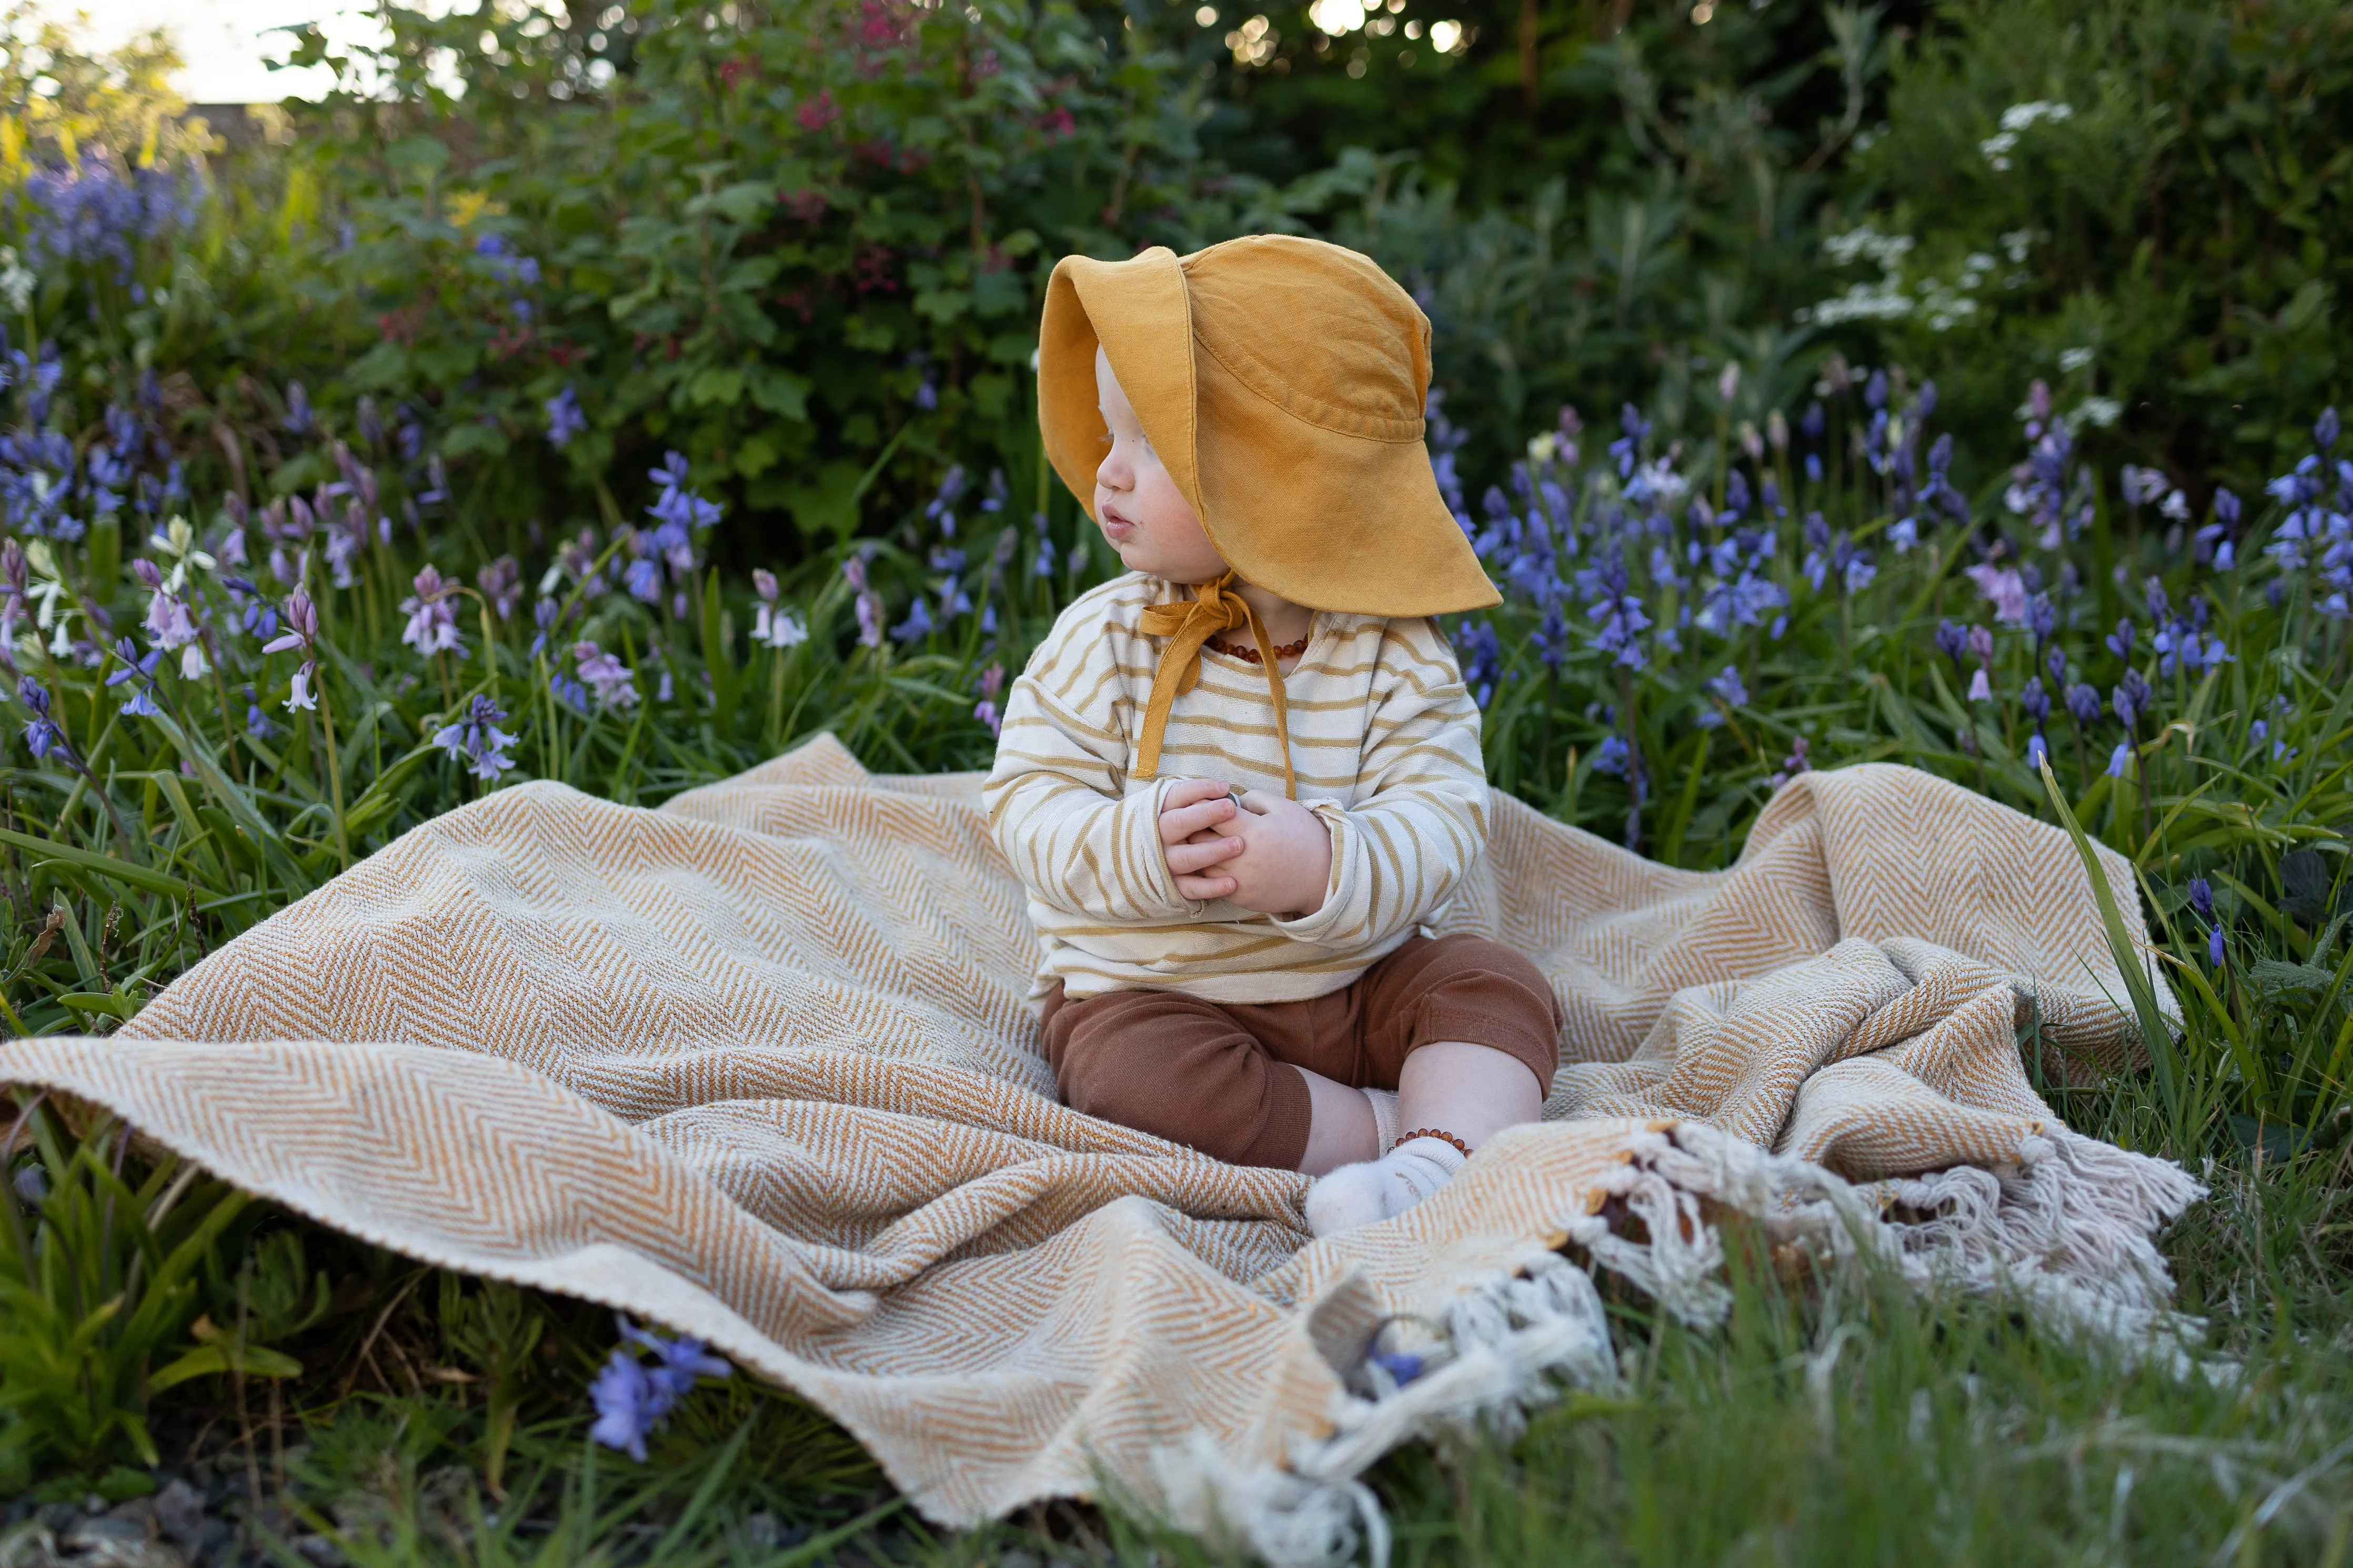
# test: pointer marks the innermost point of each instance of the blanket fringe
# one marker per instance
(2068, 1232)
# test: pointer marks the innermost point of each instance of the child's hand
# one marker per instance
(1192, 840)
(1285, 865)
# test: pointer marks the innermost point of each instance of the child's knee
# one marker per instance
(1179, 1068)
(1468, 988)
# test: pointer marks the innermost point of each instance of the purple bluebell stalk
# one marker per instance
(302, 633)
(1727, 689)
(941, 509)
(141, 670)
(2084, 704)
(501, 584)
(2005, 588)
(432, 611)
(1619, 612)
(1797, 761)
(1482, 659)
(476, 741)
(917, 626)
(614, 686)
(564, 418)
(2130, 698)
(42, 734)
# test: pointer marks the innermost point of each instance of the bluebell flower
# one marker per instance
(1482, 660)
(564, 419)
(1403, 1366)
(2326, 428)
(2120, 759)
(629, 1406)
(2083, 703)
(2120, 641)
(2215, 950)
(1622, 618)
(42, 735)
(2038, 751)
(2056, 663)
(917, 626)
(2202, 899)
(1813, 467)
(476, 741)
(1609, 757)
(2034, 701)
(2258, 732)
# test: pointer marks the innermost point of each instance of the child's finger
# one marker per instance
(1185, 792)
(1185, 858)
(1206, 887)
(1182, 823)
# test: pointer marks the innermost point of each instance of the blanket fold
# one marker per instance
(759, 1065)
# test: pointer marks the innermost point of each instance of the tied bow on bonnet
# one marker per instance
(1216, 607)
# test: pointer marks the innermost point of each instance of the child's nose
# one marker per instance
(1114, 472)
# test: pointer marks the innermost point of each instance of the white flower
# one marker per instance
(773, 626)
(16, 281)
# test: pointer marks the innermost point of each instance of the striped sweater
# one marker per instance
(1385, 743)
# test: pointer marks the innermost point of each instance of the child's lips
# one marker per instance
(1116, 528)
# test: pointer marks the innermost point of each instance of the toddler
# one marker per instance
(1240, 781)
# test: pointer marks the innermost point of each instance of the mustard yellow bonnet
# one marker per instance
(1281, 381)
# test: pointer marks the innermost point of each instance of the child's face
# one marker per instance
(1138, 506)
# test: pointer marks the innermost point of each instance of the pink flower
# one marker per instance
(2003, 586)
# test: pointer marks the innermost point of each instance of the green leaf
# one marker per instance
(717, 385)
(90, 860)
(105, 1002)
(780, 391)
(2155, 1030)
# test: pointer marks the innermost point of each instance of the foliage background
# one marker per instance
(425, 350)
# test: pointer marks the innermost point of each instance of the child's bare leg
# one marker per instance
(1340, 1130)
(1468, 1092)
(1471, 1091)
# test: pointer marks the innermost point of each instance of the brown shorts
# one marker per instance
(1211, 1073)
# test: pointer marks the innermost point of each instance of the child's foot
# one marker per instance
(1380, 1189)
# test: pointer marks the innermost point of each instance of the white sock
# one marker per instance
(1381, 1189)
(1385, 1118)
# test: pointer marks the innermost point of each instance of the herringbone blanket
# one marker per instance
(759, 1065)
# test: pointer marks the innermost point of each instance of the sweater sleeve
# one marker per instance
(1056, 798)
(1421, 821)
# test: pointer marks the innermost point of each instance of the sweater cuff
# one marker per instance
(1140, 840)
(1338, 912)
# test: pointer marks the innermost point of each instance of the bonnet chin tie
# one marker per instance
(1216, 607)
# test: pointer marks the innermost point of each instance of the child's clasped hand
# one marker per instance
(1265, 852)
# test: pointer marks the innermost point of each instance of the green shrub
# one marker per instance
(2147, 204)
